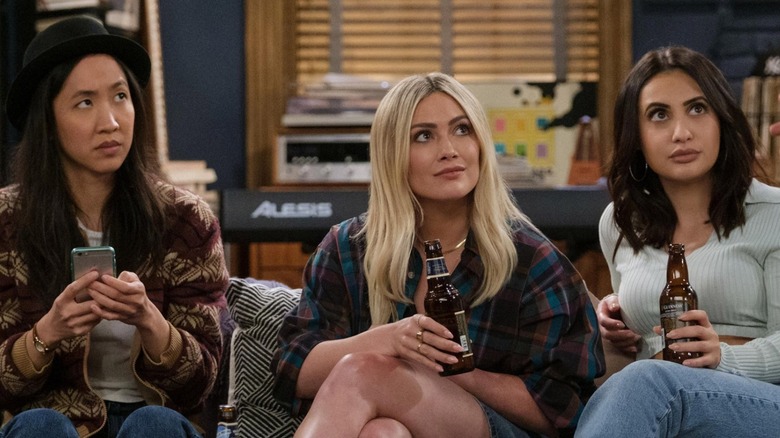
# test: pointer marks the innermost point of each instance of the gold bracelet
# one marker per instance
(41, 346)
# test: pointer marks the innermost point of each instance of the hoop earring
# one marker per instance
(631, 172)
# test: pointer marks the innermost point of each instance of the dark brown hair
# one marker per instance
(643, 212)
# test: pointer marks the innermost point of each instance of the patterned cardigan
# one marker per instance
(188, 290)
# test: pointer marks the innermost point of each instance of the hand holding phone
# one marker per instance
(92, 258)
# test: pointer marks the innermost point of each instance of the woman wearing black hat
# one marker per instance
(146, 343)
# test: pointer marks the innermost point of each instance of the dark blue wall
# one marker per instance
(733, 33)
(203, 58)
(659, 23)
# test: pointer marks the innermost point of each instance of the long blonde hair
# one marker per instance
(393, 211)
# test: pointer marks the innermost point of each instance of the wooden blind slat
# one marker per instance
(479, 29)
(489, 37)
(507, 42)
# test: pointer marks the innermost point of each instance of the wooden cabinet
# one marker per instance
(283, 262)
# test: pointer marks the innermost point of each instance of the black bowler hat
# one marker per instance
(67, 39)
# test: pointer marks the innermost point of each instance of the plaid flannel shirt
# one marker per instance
(540, 327)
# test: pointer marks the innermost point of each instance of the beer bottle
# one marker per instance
(226, 421)
(677, 298)
(443, 304)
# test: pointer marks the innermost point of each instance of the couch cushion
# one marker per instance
(258, 310)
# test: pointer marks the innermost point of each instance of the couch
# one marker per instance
(257, 309)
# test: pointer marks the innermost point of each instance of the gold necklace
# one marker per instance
(457, 247)
(453, 249)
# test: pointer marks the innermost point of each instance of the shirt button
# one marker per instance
(410, 274)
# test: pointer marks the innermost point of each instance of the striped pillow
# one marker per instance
(258, 309)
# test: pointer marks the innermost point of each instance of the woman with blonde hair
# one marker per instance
(359, 340)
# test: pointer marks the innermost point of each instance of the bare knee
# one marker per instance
(384, 427)
(362, 370)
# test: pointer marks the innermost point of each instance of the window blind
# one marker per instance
(472, 39)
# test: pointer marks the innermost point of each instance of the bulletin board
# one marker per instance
(535, 126)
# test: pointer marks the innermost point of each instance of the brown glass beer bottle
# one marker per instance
(443, 304)
(226, 421)
(677, 298)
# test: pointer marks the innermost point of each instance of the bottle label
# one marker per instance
(670, 312)
(463, 332)
(226, 430)
(436, 267)
(676, 307)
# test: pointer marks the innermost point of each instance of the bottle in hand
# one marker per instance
(677, 298)
(226, 421)
(443, 304)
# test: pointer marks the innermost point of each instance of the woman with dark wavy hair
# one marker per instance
(643, 210)
(683, 172)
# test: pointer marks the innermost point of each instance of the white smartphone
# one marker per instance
(92, 258)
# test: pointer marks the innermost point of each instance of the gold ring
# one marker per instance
(418, 347)
(419, 336)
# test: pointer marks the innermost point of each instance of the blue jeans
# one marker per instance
(500, 427)
(148, 421)
(654, 398)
